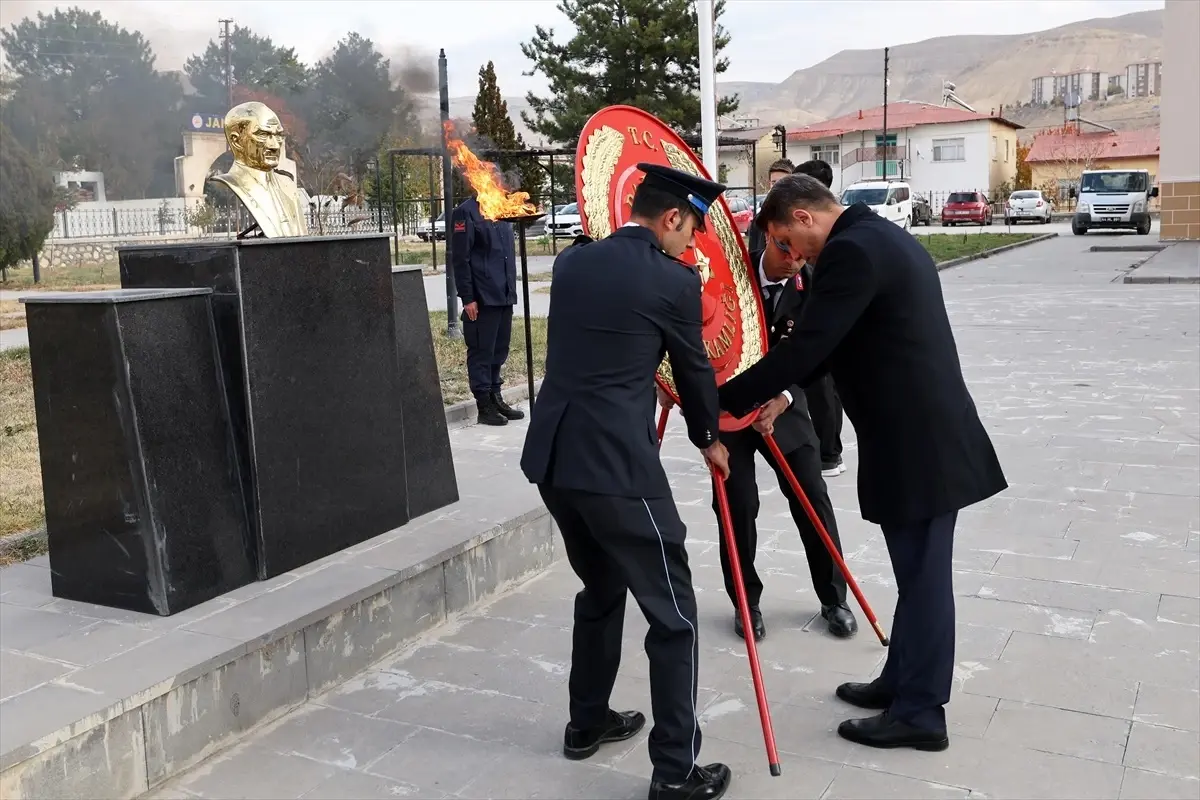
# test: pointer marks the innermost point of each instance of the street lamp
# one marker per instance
(779, 137)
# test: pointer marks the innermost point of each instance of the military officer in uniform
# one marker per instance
(485, 276)
(877, 321)
(784, 286)
(616, 307)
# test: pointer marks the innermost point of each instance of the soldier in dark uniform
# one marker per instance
(877, 320)
(784, 285)
(824, 407)
(616, 307)
(485, 276)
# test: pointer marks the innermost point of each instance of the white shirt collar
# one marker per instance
(763, 280)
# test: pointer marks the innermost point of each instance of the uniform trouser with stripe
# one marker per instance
(619, 544)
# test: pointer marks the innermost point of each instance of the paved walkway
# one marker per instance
(1079, 619)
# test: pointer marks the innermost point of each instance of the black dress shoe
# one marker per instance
(705, 783)
(872, 696)
(619, 726)
(885, 732)
(840, 620)
(506, 411)
(760, 628)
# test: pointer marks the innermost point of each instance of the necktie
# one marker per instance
(771, 294)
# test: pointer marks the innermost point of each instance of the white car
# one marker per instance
(891, 200)
(1028, 205)
(566, 222)
(439, 228)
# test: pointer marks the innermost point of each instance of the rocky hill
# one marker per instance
(989, 71)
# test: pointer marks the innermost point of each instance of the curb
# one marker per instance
(1161, 279)
(954, 262)
(459, 415)
(1127, 248)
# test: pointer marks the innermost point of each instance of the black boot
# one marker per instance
(488, 413)
(505, 409)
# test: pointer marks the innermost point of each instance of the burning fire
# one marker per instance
(494, 202)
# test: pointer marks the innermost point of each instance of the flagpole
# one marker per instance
(708, 89)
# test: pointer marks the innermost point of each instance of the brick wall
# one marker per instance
(1180, 210)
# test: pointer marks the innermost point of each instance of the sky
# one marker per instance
(770, 38)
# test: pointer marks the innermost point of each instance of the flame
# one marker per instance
(494, 201)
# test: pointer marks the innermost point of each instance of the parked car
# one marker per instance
(567, 222)
(1028, 205)
(439, 228)
(743, 213)
(966, 208)
(891, 200)
(922, 212)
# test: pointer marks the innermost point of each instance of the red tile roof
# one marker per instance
(1060, 146)
(902, 114)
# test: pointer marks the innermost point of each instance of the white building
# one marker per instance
(1087, 84)
(936, 149)
(1143, 79)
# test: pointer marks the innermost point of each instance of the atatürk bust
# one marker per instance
(255, 136)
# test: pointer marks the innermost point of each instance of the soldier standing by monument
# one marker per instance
(485, 275)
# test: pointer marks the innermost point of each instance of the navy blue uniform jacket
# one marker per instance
(616, 307)
(876, 319)
(485, 267)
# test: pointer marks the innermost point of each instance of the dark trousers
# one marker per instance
(920, 662)
(616, 544)
(742, 490)
(487, 339)
(825, 408)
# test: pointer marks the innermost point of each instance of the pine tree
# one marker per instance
(643, 53)
(495, 127)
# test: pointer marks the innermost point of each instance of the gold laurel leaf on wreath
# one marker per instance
(752, 347)
(600, 159)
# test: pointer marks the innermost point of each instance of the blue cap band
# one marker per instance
(699, 203)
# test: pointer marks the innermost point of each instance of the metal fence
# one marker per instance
(202, 219)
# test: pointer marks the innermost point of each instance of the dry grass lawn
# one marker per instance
(12, 315)
(65, 278)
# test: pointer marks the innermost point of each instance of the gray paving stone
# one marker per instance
(856, 783)
(1054, 730)
(437, 761)
(1168, 706)
(255, 773)
(1168, 751)
(20, 673)
(1179, 610)
(338, 738)
(1025, 617)
(1142, 785)
(99, 641)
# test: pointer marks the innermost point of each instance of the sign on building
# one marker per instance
(214, 123)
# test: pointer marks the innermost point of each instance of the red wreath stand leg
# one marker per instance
(760, 691)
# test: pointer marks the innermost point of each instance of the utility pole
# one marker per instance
(225, 23)
(705, 13)
(452, 329)
(885, 88)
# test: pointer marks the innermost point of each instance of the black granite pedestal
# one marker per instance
(308, 346)
(428, 460)
(144, 506)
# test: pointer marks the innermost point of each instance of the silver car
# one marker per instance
(1027, 205)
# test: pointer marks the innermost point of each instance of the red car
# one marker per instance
(743, 213)
(966, 207)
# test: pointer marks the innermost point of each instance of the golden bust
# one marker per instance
(255, 136)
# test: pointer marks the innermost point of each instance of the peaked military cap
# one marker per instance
(699, 192)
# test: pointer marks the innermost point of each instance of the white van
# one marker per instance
(889, 199)
(1113, 198)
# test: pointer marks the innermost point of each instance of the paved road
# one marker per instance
(1077, 595)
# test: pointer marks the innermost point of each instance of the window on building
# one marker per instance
(829, 153)
(995, 148)
(950, 149)
(1006, 152)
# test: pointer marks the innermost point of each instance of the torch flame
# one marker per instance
(494, 202)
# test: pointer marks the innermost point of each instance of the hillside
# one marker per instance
(989, 70)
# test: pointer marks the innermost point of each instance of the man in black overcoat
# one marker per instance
(784, 285)
(617, 306)
(876, 319)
